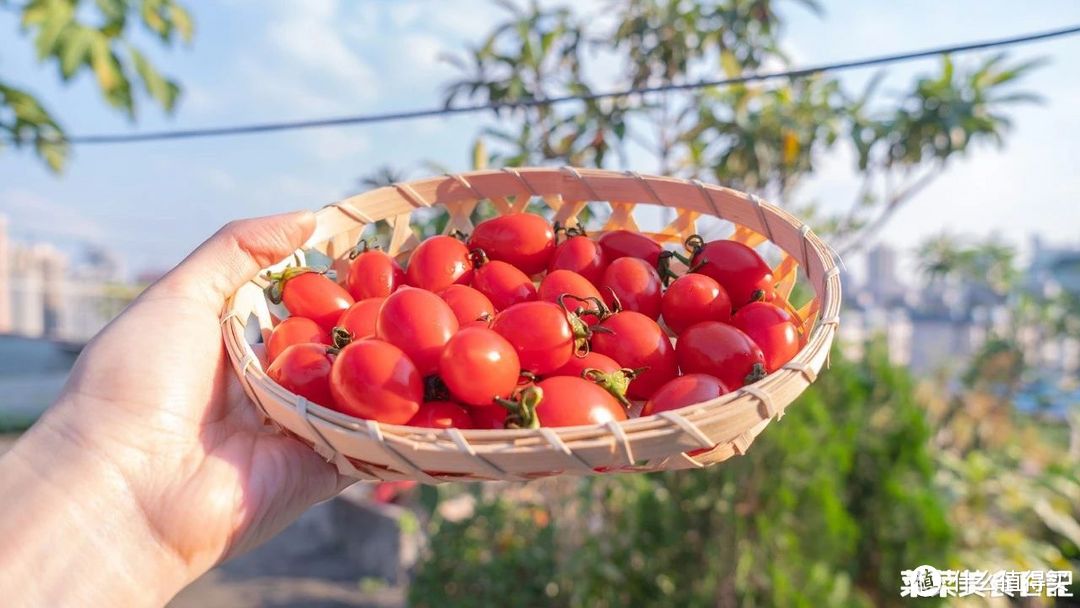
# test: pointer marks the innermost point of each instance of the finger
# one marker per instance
(236, 253)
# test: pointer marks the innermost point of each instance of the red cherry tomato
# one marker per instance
(419, 323)
(503, 284)
(576, 365)
(559, 282)
(582, 255)
(628, 244)
(524, 240)
(441, 415)
(635, 283)
(304, 369)
(478, 365)
(541, 334)
(376, 380)
(467, 303)
(636, 342)
(694, 298)
(720, 350)
(489, 417)
(737, 268)
(568, 401)
(438, 263)
(312, 295)
(683, 391)
(294, 330)
(772, 329)
(360, 318)
(373, 274)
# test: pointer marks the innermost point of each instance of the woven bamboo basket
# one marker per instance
(713, 431)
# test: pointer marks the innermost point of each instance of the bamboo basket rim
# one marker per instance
(742, 413)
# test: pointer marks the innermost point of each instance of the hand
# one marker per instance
(169, 451)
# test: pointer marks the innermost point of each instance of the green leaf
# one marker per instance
(181, 20)
(74, 50)
(160, 88)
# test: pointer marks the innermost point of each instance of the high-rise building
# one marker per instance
(882, 281)
(5, 279)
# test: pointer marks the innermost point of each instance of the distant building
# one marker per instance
(883, 284)
(5, 280)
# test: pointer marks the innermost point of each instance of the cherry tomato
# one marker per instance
(441, 415)
(503, 284)
(467, 303)
(582, 255)
(419, 323)
(360, 318)
(438, 263)
(576, 365)
(559, 282)
(694, 298)
(524, 240)
(635, 283)
(683, 391)
(376, 380)
(628, 244)
(294, 330)
(478, 365)
(737, 268)
(540, 332)
(489, 417)
(304, 369)
(636, 341)
(312, 295)
(772, 329)
(569, 401)
(373, 274)
(720, 350)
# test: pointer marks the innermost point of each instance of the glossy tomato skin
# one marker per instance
(773, 329)
(569, 401)
(467, 303)
(738, 269)
(313, 296)
(719, 350)
(489, 417)
(418, 322)
(439, 262)
(683, 391)
(304, 369)
(524, 240)
(694, 298)
(577, 365)
(503, 284)
(628, 244)
(373, 274)
(582, 255)
(539, 332)
(294, 330)
(360, 318)
(559, 282)
(478, 365)
(375, 380)
(636, 284)
(636, 342)
(441, 415)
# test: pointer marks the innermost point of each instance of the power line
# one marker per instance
(269, 127)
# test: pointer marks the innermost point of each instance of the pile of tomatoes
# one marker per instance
(523, 324)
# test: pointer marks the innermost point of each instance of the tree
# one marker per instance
(764, 138)
(76, 37)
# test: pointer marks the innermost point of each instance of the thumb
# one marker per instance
(235, 254)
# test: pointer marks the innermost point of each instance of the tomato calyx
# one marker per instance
(339, 339)
(276, 289)
(459, 235)
(663, 266)
(582, 331)
(756, 373)
(522, 407)
(615, 382)
(435, 389)
(362, 246)
(567, 231)
(478, 257)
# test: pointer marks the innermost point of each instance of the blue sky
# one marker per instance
(267, 60)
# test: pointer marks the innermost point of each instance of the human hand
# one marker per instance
(153, 438)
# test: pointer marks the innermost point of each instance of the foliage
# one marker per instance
(762, 137)
(79, 36)
(825, 510)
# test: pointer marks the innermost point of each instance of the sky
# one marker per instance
(268, 60)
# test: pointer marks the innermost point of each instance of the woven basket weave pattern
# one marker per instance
(370, 450)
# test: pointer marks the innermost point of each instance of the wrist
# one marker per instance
(74, 527)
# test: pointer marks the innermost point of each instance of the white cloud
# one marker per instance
(33, 216)
(337, 144)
